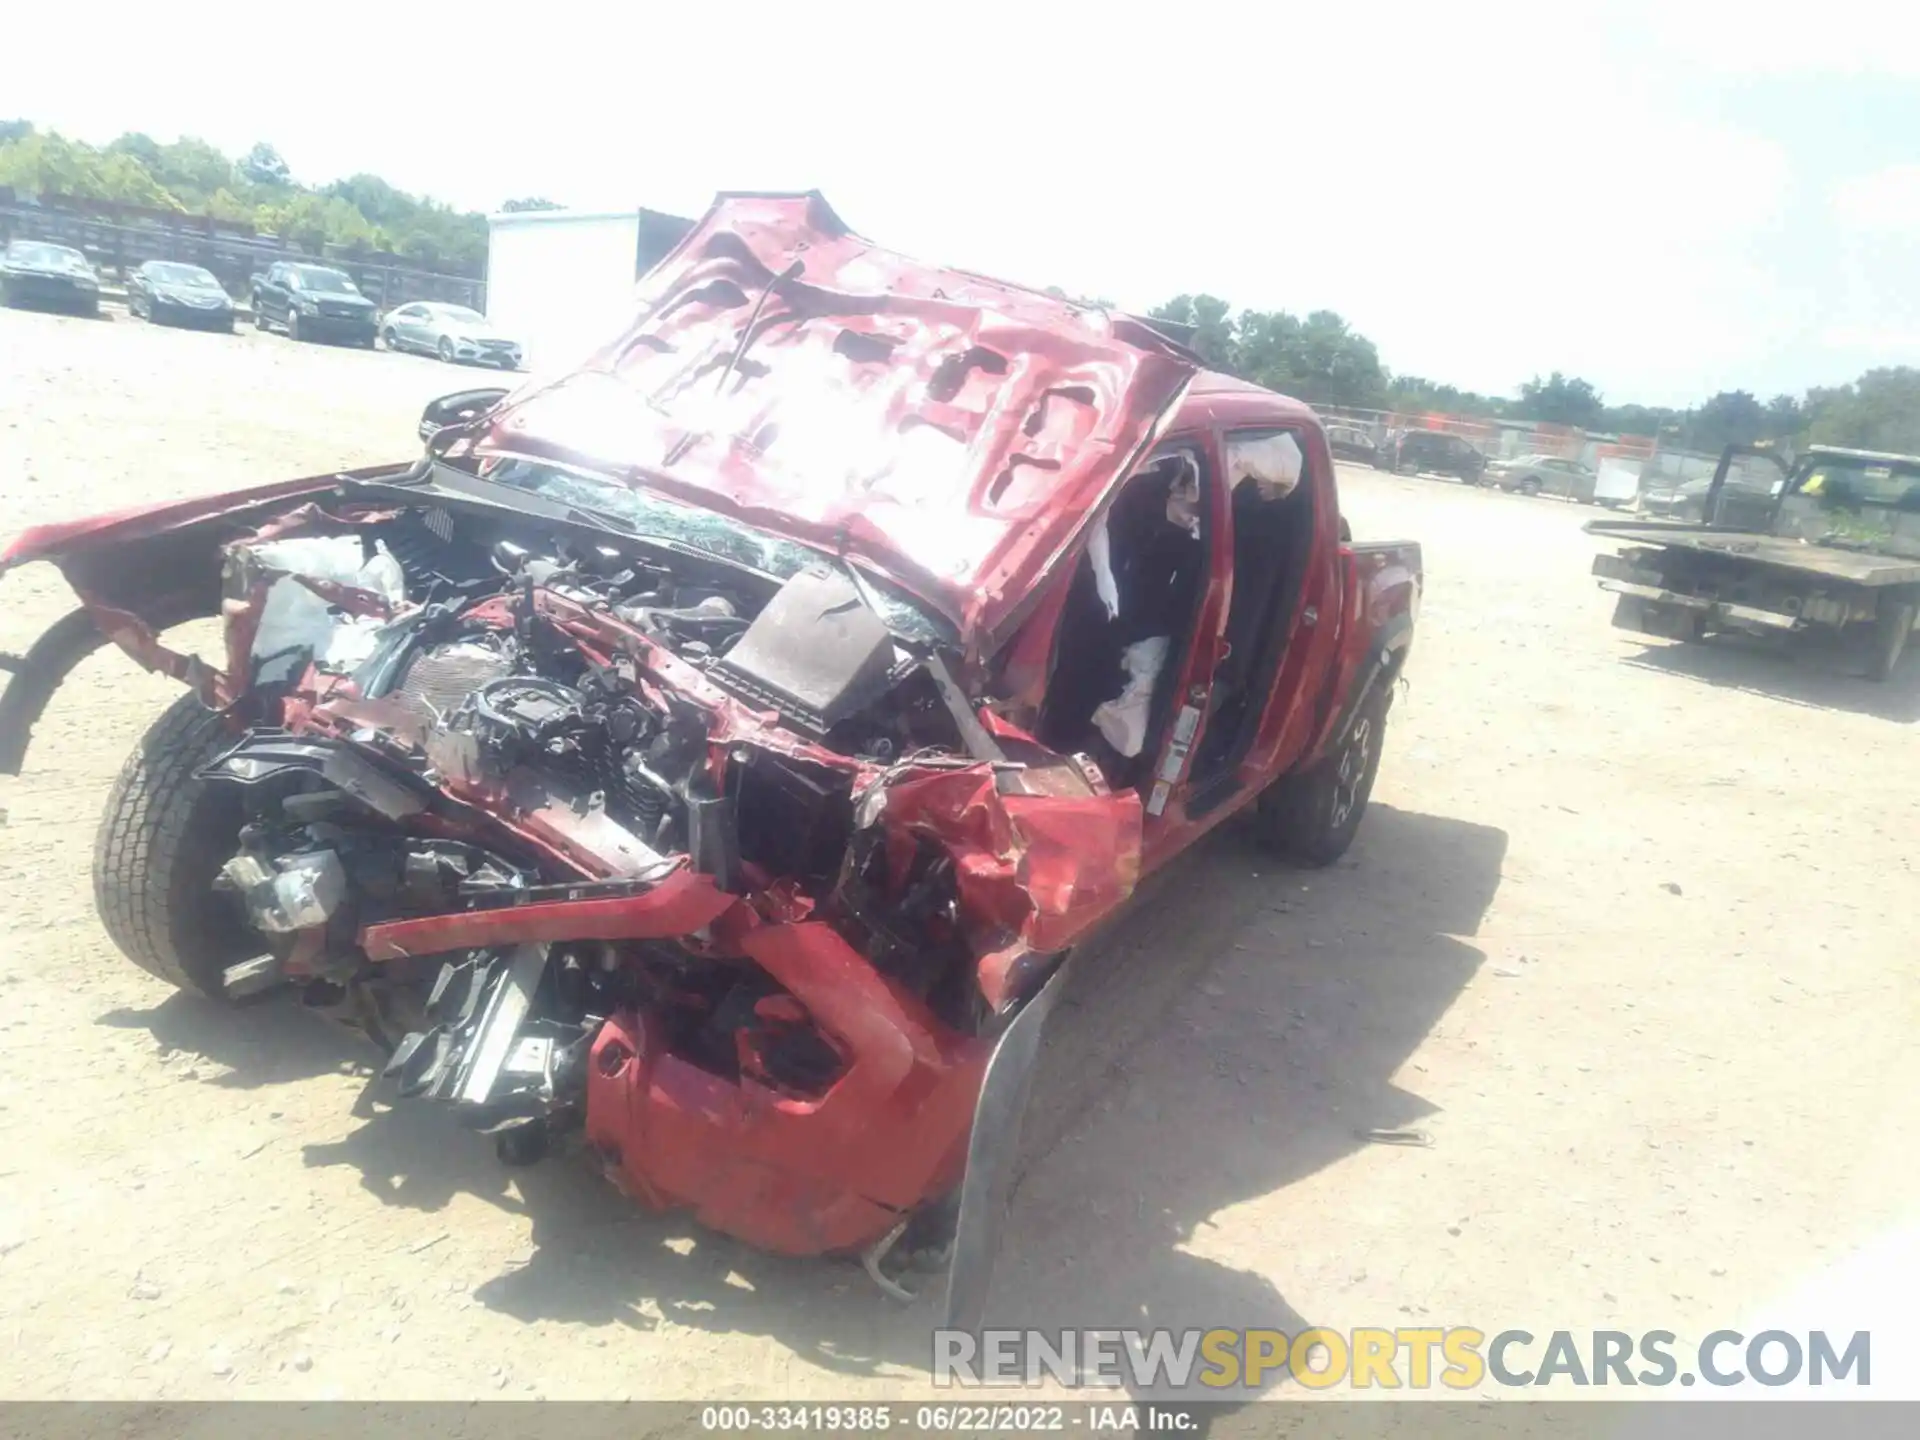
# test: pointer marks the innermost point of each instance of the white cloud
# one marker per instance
(1485, 189)
(1891, 341)
(1881, 203)
(1776, 37)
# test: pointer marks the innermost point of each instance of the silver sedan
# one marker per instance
(452, 332)
(1544, 475)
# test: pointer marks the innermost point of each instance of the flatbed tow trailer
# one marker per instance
(1836, 558)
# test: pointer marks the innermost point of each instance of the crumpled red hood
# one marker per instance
(950, 432)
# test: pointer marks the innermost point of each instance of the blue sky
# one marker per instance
(1669, 199)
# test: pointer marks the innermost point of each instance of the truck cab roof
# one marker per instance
(1214, 398)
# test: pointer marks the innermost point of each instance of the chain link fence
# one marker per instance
(1642, 465)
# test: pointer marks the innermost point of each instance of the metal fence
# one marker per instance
(1498, 439)
(1659, 467)
(117, 245)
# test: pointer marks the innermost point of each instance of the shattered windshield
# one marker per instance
(649, 515)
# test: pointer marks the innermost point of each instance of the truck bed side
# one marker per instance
(1381, 585)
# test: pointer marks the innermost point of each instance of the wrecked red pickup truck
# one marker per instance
(710, 757)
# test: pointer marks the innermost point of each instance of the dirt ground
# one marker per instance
(1629, 930)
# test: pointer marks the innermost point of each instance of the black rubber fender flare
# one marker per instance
(54, 656)
(1385, 656)
(986, 1187)
(36, 675)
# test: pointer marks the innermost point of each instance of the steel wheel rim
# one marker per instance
(1352, 772)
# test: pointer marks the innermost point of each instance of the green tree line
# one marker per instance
(361, 212)
(1319, 358)
(1324, 361)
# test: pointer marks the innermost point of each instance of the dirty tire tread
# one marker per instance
(1294, 817)
(161, 838)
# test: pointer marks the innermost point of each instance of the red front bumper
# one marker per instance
(799, 1177)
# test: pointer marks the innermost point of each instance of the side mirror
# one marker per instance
(457, 409)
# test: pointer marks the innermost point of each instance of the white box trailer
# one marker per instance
(1617, 482)
(562, 281)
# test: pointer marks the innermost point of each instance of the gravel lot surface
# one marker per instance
(1629, 932)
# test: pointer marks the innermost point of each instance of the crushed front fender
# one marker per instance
(138, 572)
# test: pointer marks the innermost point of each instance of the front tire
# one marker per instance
(1312, 816)
(390, 340)
(162, 840)
(293, 325)
(1530, 486)
(446, 350)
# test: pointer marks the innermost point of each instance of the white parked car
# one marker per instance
(453, 332)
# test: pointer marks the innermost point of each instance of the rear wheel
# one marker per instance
(1312, 816)
(293, 324)
(446, 349)
(1530, 486)
(162, 840)
(1890, 631)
